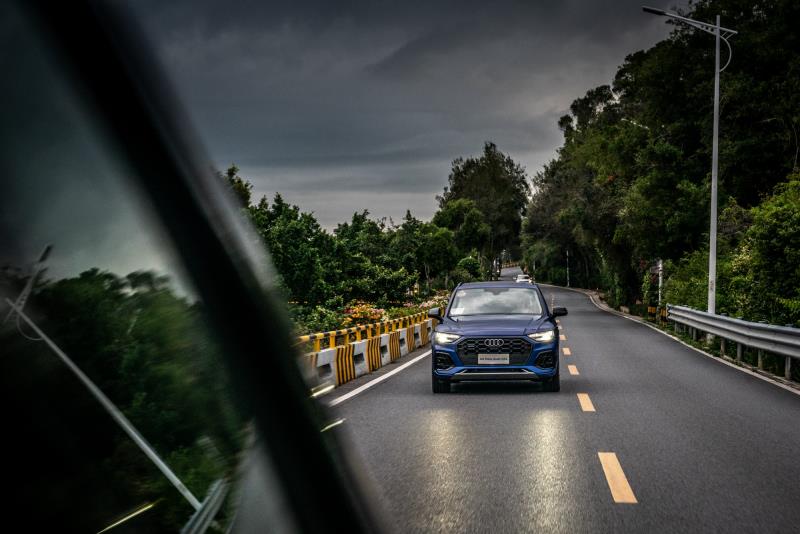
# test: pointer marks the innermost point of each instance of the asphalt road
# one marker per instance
(700, 446)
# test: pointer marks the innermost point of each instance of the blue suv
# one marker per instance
(495, 331)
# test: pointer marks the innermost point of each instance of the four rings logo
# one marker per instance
(494, 342)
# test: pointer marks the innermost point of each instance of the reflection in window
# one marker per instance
(114, 300)
(499, 300)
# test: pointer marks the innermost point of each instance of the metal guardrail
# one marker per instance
(783, 340)
(204, 516)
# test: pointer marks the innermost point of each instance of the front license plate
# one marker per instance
(492, 359)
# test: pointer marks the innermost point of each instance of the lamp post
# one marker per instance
(719, 33)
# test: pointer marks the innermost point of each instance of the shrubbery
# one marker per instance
(366, 269)
(758, 264)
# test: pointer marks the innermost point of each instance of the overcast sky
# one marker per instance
(348, 106)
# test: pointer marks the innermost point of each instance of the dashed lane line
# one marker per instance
(573, 369)
(695, 349)
(566, 351)
(586, 402)
(621, 491)
(562, 337)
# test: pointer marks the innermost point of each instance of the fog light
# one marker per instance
(442, 361)
(545, 360)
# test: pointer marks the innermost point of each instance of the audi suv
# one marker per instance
(495, 331)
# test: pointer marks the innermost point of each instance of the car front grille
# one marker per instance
(518, 349)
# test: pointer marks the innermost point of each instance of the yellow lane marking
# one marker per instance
(586, 402)
(573, 370)
(562, 337)
(131, 515)
(566, 351)
(620, 489)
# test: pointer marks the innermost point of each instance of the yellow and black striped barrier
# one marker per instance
(411, 343)
(394, 346)
(345, 367)
(361, 332)
(373, 354)
(359, 350)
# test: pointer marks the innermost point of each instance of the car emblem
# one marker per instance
(494, 342)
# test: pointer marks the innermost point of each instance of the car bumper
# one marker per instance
(469, 374)
(463, 373)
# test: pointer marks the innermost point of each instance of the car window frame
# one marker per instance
(103, 54)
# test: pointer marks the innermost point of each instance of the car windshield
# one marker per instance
(496, 301)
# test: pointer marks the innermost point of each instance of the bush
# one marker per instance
(471, 265)
(311, 319)
(362, 313)
(768, 261)
(459, 276)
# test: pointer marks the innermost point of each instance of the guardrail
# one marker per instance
(783, 340)
(355, 351)
(360, 332)
(204, 516)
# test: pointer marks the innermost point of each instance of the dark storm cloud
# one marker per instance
(321, 101)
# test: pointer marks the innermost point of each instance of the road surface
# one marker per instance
(677, 442)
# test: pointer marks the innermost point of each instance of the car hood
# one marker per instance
(499, 325)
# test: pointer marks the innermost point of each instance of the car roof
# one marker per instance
(500, 283)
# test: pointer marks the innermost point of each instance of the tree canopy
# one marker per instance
(498, 189)
(631, 182)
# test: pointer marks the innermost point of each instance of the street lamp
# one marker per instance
(719, 33)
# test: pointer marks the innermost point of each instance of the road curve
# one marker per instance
(676, 442)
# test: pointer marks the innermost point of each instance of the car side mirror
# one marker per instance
(434, 313)
(559, 311)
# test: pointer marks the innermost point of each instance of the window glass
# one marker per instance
(496, 300)
(119, 410)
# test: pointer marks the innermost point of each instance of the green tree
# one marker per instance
(404, 242)
(499, 189)
(148, 349)
(241, 188)
(631, 182)
(300, 249)
(768, 261)
(436, 252)
(462, 216)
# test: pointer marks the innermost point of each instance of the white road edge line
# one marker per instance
(704, 353)
(376, 381)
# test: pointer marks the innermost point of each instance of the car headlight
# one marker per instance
(443, 338)
(544, 336)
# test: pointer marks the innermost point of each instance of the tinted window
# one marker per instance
(496, 300)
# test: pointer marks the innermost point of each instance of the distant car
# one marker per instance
(523, 278)
(495, 331)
